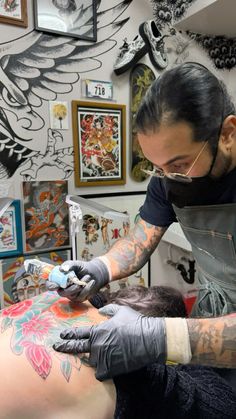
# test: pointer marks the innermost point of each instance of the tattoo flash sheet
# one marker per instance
(97, 234)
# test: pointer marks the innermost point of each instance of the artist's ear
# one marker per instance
(228, 132)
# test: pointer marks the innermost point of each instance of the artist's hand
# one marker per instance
(95, 273)
(126, 342)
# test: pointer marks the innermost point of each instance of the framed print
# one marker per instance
(16, 285)
(58, 112)
(99, 135)
(98, 234)
(14, 12)
(11, 231)
(74, 18)
(46, 215)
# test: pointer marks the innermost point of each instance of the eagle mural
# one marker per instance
(38, 67)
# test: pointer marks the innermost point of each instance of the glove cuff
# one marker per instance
(159, 335)
(106, 262)
(100, 271)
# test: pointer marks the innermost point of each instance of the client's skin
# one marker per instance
(37, 382)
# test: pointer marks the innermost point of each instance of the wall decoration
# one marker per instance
(14, 12)
(98, 234)
(46, 215)
(58, 114)
(99, 134)
(70, 18)
(54, 64)
(166, 12)
(221, 50)
(141, 77)
(17, 285)
(11, 231)
(98, 89)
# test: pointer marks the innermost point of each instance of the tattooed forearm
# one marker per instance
(130, 253)
(213, 341)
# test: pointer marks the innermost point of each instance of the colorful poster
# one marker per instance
(46, 215)
(97, 234)
(11, 231)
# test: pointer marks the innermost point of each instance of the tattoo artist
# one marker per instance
(187, 128)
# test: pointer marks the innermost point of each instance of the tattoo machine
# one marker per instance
(42, 269)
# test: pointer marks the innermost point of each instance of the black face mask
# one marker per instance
(187, 194)
(193, 193)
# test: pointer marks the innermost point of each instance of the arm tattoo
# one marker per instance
(130, 253)
(213, 341)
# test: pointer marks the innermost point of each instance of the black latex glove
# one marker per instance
(126, 342)
(95, 273)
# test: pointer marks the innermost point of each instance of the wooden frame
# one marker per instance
(99, 134)
(14, 13)
(68, 19)
(11, 231)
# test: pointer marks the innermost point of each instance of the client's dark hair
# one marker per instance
(156, 301)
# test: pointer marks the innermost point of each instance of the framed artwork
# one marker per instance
(16, 285)
(98, 234)
(11, 231)
(14, 12)
(99, 134)
(58, 112)
(74, 18)
(46, 215)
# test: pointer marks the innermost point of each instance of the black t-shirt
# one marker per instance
(158, 211)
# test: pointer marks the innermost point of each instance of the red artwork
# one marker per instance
(99, 143)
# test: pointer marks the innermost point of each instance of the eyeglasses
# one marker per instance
(179, 177)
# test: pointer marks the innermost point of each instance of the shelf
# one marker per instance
(212, 17)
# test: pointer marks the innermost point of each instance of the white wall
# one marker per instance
(138, 11)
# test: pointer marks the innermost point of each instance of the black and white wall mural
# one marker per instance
(166, 12)
(220, 49)
(37, 68)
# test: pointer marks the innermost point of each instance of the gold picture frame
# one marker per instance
(99, 136)
(14, 13)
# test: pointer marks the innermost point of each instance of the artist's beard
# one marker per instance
(222, 166)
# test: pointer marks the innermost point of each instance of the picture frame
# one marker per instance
(11, 230)
(97, 235)
(99, 137)
(14, 13)
(46, 215)
(74, 18)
